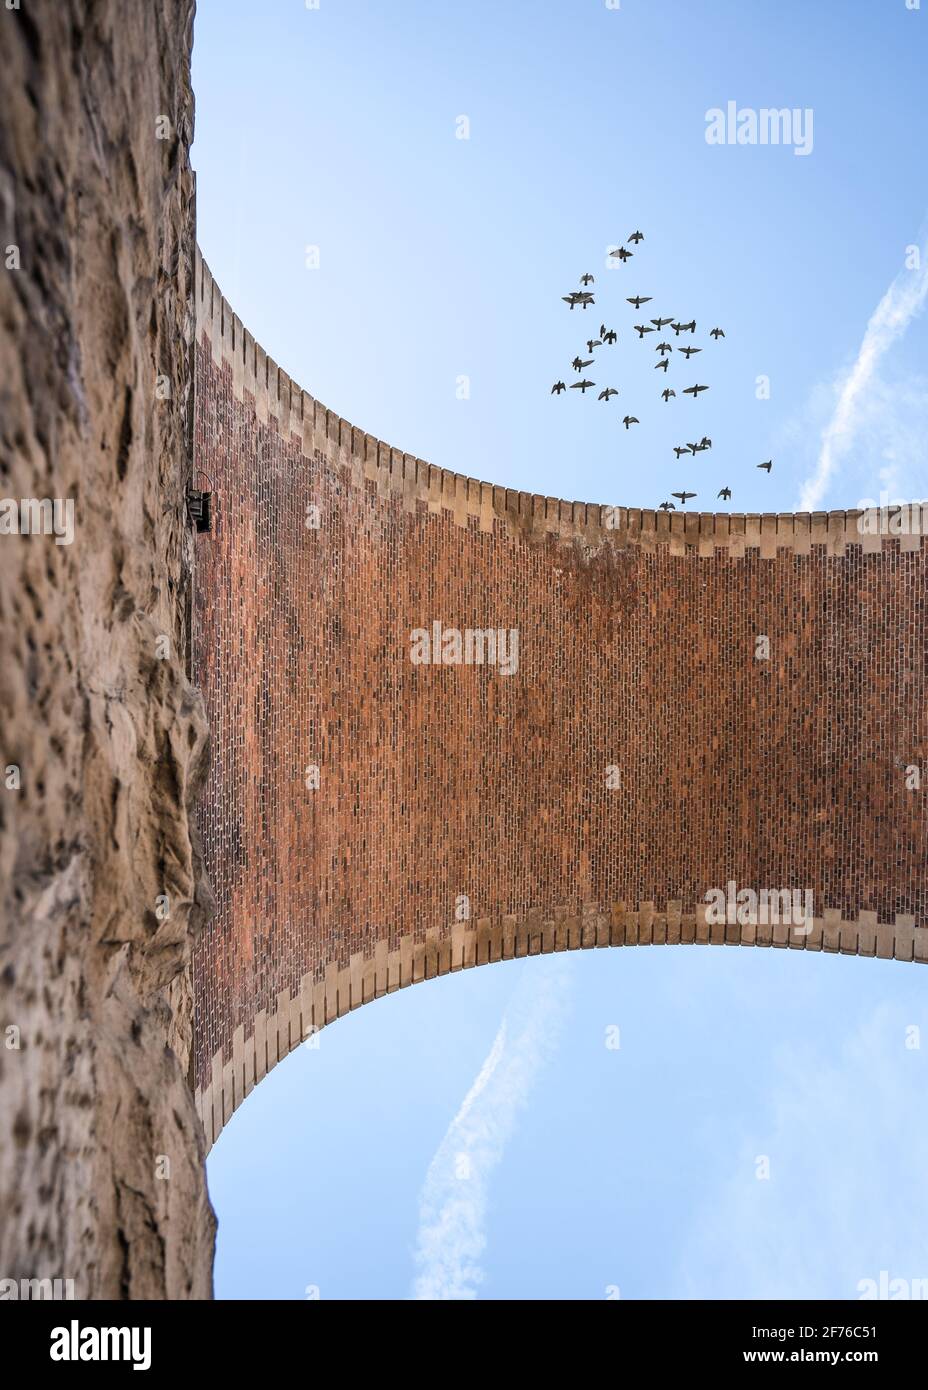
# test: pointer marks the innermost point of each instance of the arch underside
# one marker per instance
(638, 756)
(271, 1037)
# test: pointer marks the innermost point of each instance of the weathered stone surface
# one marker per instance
(638, 656)
(97, 710)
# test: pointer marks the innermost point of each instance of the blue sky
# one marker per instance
(441, 258)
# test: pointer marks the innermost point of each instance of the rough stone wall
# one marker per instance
(637, 652)
(97, 711)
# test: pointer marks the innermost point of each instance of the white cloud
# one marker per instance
(453, 1203)
(860, 392)
(847, 1141)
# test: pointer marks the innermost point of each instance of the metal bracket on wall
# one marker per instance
(200, 506)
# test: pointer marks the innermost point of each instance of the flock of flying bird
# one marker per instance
(584, 298)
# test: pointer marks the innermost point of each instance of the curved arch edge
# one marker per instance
(340, 991)
(525, 514)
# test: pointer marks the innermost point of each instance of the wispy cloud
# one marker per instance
(847, 1141)
(453, 1203)
(901, 303)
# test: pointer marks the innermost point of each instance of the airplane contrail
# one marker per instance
(452, 1206)
(904, 299)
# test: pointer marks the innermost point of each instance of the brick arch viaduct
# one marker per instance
(637, 635)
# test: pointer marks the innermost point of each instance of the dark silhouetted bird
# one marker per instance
(609, 391)
(669, 395)
(693, 448)
(593, 343)
(725, 493)
(622, 254)
(663, 348)
(680, 450)
(684, 496)
(662, 365)
(578, 364)
(586, 279)
(716, 333)
(636, 237)
(639, 300)
(694, 390)
(610, 337)
(667, 507)
(582, 386)
(662, 323)
(641, 329)
(631, 420)
(557, 388)
(688, 352)
(705, 442)
(766, 466)
(581, 297)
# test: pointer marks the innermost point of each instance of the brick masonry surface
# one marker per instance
(637, 652)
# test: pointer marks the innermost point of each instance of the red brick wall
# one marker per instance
(637, 650)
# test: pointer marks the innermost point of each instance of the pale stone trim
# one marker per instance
(411, 480)
(269, 1040)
